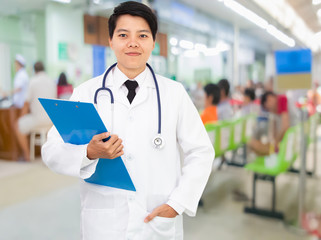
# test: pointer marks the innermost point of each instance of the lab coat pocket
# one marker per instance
(98, 224)
(161, 228)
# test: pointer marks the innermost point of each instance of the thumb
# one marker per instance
(150, 217)
(101, 136)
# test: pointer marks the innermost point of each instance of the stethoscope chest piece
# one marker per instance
(158, 142)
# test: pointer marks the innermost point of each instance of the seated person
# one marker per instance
(224, 108)
(212, 98)
(33, 115)
(64, 89)
(248, 106)
(277, 106)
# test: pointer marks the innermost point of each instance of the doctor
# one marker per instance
(170, 180)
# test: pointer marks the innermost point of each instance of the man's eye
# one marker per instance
(122, 35)
(143, 36)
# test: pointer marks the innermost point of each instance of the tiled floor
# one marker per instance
(38, 204)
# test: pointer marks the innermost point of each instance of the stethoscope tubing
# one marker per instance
(112, 100)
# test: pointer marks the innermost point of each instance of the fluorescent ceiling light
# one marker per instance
(174, 51)
(96, 1)
(200, 47)
(319, 13)
(280, 36)
(173, 41)
(246, 13)
(62, 1)
(316, 2)
(186, 44)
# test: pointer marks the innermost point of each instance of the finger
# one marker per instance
(117, 143)
(150, 217)
(101, 136)
(119, 148)
(119, 154)
(113, 138)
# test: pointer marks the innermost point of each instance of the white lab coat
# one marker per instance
(160, 176)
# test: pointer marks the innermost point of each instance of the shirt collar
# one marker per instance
(120, 78)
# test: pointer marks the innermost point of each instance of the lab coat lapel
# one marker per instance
(142, 94)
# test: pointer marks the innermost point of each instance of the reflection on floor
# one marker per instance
(38, 204)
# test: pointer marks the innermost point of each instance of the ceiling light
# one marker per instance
(246, 13)
(174, 51)
(280, 36)
(319, 13)
(62, 1)
(316, 2)
(173, 41)
(186, 44)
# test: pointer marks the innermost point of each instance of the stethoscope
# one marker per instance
(158, 141)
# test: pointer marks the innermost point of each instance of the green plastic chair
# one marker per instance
(288, 153)
(248, 126)
(236, 129)
(219, 133)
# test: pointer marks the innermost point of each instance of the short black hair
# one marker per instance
(134, 9)
(265, 96)
(38, 67)
(250, 92)
(213, 90)
(225, 85)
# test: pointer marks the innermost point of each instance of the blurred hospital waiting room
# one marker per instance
(252, 70)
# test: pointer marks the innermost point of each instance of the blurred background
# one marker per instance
(263, 56)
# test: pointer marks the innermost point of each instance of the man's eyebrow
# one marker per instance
(122, 30)
(147, 31)
(125, 30)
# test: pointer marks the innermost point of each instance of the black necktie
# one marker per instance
(131, 86)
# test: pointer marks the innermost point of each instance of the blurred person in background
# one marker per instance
(277, 105)
(249, 84)
(249, 106)
(224, 108)
(212, 98)
(33, 115)
(64, 89)
(198, 95)
(20, 83)
(259, 90)
(313, 99)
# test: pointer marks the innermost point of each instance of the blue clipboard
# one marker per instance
(77, 123)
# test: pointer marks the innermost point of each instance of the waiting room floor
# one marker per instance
(37, 204)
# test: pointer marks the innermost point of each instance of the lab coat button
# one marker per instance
(131, 118)
(131, 198)
(129, 158)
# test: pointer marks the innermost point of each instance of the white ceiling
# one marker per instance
(212, 7)
(307, 12)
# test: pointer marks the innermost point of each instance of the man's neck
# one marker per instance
(131, 73)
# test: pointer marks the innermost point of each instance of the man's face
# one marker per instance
(132, 43)
(271, 103)
(17, 65)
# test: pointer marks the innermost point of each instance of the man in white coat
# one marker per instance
(168, 181)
